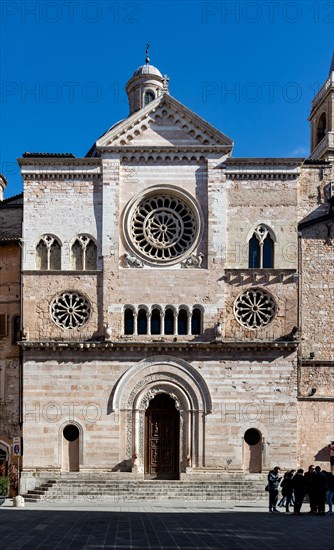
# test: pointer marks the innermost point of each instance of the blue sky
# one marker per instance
(250, 68)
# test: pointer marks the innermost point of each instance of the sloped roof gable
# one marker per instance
(164, 122)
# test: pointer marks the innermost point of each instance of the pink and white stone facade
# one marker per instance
(226, 375)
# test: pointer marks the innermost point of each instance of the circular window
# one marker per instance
(252, 436)
(163, 226)
(71, 432)
(254, 308)
(70, 310)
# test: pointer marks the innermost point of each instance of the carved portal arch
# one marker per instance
(157, 364)
(139, 385)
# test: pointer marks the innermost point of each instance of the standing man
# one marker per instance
(298, 484)
(273, 482)
(309, 489)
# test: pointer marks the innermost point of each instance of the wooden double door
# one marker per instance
(162, 425)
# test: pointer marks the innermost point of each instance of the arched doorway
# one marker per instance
(71, 440)
(253, 451)
(162, 435)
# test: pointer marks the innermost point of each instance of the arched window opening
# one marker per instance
(254, 253)
(169, 321)
(155, 322)
(41, 256)
(77, 257)
(196, 321)
(55, 256)
(91, 255)
(148, 97)
(16, 334)
(321, 128)
(128, 321)
(142, 321)
(48, 254)
(84, 254)
(261, 249)
(268, 252)
(182, 322)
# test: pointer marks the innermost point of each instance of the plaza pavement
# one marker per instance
(106, 524)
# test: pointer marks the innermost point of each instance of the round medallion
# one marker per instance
(163, 226)
(70, 310)
(254, 308)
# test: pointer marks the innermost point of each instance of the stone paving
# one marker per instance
(166, 525)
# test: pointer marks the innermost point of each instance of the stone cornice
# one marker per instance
(60, 168)
(264, 161)
(326, 88)
(61, 272)
(316, 220)
(316, 364)
(233, 276)
(213, 346)
(124, 130)
(58, 161)
(262, 168)
(126, 149)
(311, 398)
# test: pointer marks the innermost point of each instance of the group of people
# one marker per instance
(317, 484)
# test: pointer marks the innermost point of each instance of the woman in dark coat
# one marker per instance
(287, 489)
(298, 484)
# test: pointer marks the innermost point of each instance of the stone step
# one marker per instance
(65, 489)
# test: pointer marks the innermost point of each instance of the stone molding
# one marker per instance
(181, 369)
(165, 107)
(267, 275)
(164, 346)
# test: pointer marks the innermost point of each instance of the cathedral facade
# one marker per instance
(176, 302)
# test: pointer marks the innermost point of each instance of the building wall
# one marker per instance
(75, 204)
(317, 292)
(224, 381)
(61, 388)
(10, 363)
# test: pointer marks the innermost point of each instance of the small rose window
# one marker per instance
(70, 310)
(255, 308)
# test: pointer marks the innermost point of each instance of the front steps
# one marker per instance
(93, 490)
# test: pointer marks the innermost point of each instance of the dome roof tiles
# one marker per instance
(147, 69)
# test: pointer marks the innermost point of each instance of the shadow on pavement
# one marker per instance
(231, 530)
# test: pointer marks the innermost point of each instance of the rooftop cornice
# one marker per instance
(264, 161)
(314, 221)
(58, 161)
(326, 88)
(10, 240)
(164, 148)
(263, 168)
(63, 168)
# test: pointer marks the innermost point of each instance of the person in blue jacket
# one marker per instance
(273, 482)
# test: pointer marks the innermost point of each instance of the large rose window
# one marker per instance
(254, 308)
(70, 310)
(162, 227)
